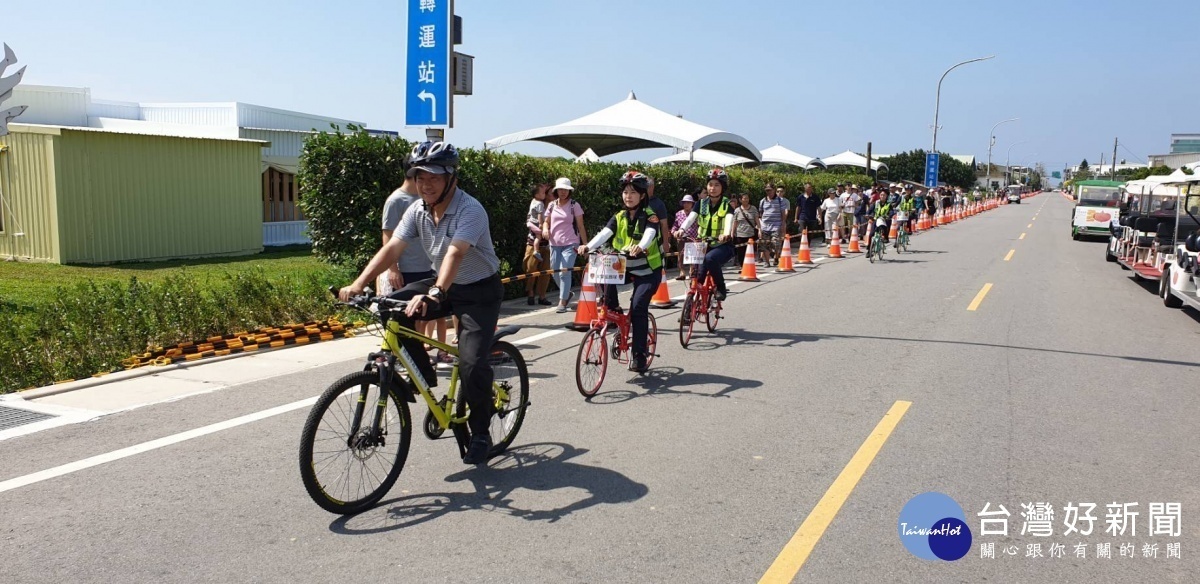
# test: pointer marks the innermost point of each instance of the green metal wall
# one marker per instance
(129, 197)
(27, 187)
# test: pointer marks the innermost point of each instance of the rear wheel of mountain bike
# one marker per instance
(510, 393)
(347, 473)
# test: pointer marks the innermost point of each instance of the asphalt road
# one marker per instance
(1069, 382)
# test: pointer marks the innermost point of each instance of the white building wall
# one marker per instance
(196, 114)
(124, 110)
(58, 106)
(257, 116)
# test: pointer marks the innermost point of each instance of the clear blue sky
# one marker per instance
(818, 77)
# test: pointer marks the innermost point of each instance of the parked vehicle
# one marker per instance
(1149, 231)
(1097, 204)
(1180, 283)
(1013, 194)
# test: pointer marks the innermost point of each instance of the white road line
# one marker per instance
(99, 459)
(538, 337)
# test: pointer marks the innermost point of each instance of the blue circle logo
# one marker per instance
(933, 526)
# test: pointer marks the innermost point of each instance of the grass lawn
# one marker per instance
(24, 285)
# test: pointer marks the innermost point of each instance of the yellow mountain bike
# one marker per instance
(356, 439)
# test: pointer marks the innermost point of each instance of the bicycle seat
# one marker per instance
(504, 331)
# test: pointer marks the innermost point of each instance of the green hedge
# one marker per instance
(345, 178)
(90, 328)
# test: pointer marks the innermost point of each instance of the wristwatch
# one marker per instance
(435, 293)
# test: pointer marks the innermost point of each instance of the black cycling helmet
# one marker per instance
(433, 157)
(719, 174)
(639, 181)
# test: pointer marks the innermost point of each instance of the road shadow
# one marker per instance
(925, 251)
(673, 381)
(888, 260)
(737, 336)
(542, 467)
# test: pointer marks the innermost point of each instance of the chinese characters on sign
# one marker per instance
(1121, 521)
(427, 94)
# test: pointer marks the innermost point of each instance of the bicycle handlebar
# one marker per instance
(368, 298)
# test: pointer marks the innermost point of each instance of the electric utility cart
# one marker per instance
(1180, 283)
(1097, 204)
(1148, 231)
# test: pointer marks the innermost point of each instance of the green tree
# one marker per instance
(1083, 165)
(911, 166)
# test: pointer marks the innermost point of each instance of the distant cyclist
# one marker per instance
(715, 218)
(634, 229)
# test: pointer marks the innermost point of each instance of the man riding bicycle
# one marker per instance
(716, 228)
(883, 217)
(634, 229)
(452, 228)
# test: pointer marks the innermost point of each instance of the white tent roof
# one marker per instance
(588, 155)
(706, 157)
(781, 155)
(1152, 185)
(849, 158)
(631, 125)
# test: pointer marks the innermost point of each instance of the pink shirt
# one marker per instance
(562, 222)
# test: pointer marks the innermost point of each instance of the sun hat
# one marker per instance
(688, 199)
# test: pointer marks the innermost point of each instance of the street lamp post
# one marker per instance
(1007, 158)
(937, 104)
(992, 142)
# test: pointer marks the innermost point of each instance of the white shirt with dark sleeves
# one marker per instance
(414, 259)
(465, 220)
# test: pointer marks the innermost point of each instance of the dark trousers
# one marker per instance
(644, 288)
(477, 306)
(713, 260)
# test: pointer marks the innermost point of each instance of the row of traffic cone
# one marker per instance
(585, 311)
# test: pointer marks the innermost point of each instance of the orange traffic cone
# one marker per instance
(662, 296)
(749, 265)
(916, 225)
(894, 231)
(585, 309)
(804, 254)
(835, 247)
(854, 240)
(785, 256)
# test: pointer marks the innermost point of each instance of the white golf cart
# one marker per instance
(1147, 231)
(1180, 283)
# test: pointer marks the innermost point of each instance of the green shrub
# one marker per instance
(345, 178)
(91, 328)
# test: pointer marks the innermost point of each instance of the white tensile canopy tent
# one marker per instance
(849, 158)
(588, 155)
(707, 157)
(632, 125)
(780, 155)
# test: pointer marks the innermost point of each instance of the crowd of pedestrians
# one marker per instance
(556, 227)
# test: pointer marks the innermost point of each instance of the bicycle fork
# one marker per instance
(384, 364)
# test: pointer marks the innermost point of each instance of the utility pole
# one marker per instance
(1114, 159)
(869, 159)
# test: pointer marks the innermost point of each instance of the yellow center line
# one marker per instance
(797, 550)
(1010, 254)
(979, 297)
(1022, 236)
(1030, 226)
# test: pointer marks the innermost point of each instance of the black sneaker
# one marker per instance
(638, 364)
(543, 302)
(477, 452)
(529, 301)
(721, 295)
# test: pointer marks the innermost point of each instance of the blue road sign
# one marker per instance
(932, 161)
(427, 91)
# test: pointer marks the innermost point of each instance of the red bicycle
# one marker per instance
(610, 337)
(701, 303)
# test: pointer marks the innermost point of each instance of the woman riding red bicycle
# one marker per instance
(635, 229)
